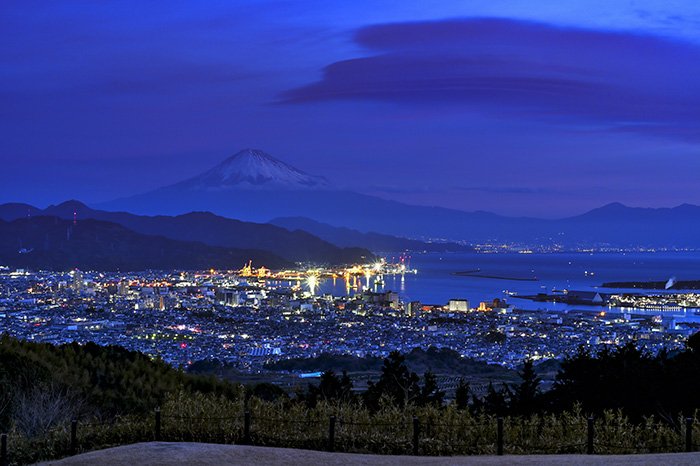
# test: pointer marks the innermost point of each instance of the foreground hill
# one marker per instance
(113, 393)
(85, 379)
(58, 244)
(295, 246)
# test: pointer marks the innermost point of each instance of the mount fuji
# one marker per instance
(256, 187)
(253, 169)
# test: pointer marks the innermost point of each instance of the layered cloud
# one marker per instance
(622, 81)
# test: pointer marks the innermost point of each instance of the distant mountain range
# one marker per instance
(255, 186)
(207, 228)
(342, 236)
(57, 244)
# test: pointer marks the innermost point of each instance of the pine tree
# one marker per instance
(526, 395)
(396, 382)
(346, 387)
(330, 388)
(462, 395)
(496, 402)
(429, 393)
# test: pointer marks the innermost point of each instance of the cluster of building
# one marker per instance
(545, 247)
(247, 319)
(664, 302)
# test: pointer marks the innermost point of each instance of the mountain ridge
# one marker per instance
(617, 208)
(343, 236)
(214, 230)
(614, 226)
(50, 242)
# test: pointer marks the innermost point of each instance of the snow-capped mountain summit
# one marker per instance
(252, 168)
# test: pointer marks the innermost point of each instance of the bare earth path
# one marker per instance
(205, 454)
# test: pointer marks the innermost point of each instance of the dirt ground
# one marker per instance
(164, 453)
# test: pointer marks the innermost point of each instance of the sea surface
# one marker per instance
(526, 274)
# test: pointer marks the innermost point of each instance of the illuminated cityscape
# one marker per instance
(251, 316)
(380, 227)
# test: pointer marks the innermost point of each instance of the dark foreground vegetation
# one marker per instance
(437, 360)
(639, 402)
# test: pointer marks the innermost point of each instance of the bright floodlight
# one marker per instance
(312, 282)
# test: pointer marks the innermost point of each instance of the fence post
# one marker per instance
(4, 461)
(416, 432)
(73, 436)
(499, 436)
(331, 434)
(591, 435)
(246, 427)
(689, 434)
(157, 426)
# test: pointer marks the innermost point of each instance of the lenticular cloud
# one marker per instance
(625, 81)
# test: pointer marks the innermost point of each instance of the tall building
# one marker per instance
(413, 308)
(77, 280)
(458, 305)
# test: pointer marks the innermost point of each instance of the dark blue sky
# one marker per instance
(519, 107)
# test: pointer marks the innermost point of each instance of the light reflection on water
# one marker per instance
(436, 283)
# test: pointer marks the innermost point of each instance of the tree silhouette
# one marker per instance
(330, 388)
(525, 398)
(396, 382)
(496, 402)
(266, 391)
(462, 395)
(621, 378)
(693, 343)
(430, 394)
